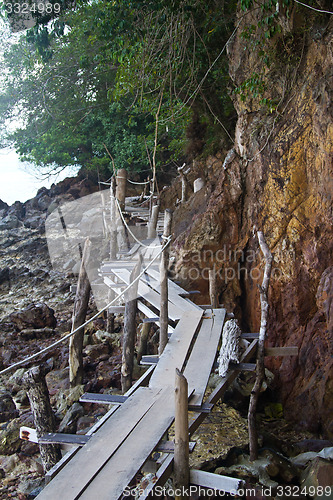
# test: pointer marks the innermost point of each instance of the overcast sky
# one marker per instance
(16, 183)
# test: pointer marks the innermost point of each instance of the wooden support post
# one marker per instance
(181, 471)
(142, 349)
(260, 368)
(79, 316)
(153, 222)
(164, 313)
(121, 187)
(185, 184)
(44, 420)
(212, 289)
(113, 228)
(130, 330)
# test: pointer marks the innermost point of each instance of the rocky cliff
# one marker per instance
(278, 178)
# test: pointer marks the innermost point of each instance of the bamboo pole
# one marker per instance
(181, 472)
(130, 330)
(153, 222)
(79, 317)
(212, 289)
(38, 394)
(113, 228)
(260, 367)
(164, 264)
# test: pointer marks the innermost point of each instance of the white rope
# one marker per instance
(132, 234)
(313, 8)
(137, 183)
(58, 342)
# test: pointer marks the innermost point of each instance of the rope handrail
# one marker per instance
(58, 342)
(129, 230)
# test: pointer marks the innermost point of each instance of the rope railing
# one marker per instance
(129, 230)
(66, 337)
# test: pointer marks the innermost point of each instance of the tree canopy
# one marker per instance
(120, 83)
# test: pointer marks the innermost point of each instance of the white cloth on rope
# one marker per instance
(230, 346)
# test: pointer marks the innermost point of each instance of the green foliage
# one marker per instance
(95, 81)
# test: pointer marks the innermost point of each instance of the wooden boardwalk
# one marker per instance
(136, 425)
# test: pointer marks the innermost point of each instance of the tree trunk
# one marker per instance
(181, 472)
(260, 369)
(164, 313)
(130, 330)
(79, 316)
(43, 415)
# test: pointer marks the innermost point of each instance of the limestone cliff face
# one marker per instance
(279, 178)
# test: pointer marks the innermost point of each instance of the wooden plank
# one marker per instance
(160, 477)
(118, 472)
(247, 367)
(169, 447)
(142, 381)
(250, 336)
(215, 481)
(149, 294)
(116, 309)
(172, 286)
(89, 397)
(281, 351)
(62, 438)
(149, 360)
(84, 466)
(199, 367)
(176, 350)
(149, 313)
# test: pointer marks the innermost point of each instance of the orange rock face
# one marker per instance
(280, 180)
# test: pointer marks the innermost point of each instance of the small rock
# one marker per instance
(27, 486)
(9, 222)
(66, 398)
(10, 441)
(279, 466)
(7, 407)
(34, 316)
(318, 474)
(69, 422)
(96, 351)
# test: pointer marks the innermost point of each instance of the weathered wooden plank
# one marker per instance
(116, 309)
(160, 478)
(62, 438)
(199, 367)
(91, 458)
(117, 473)
(149, 313)
(215, 481)
(149, 294)
(250, 336)
(154, 273)
(176, 350)
(149, 360)
(281, 351)
(247, 367)
(89, 397)
(169, 446)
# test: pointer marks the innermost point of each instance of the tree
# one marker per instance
(117, 77)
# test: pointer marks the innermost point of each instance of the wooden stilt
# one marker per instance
(212, 289)
(164, 284)
(44, 420)
(153, 222)
(121, 187)
(79, 316)
(260, 368)
(181, 471)
(142, 349)
(130, 330)
(113, 228)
